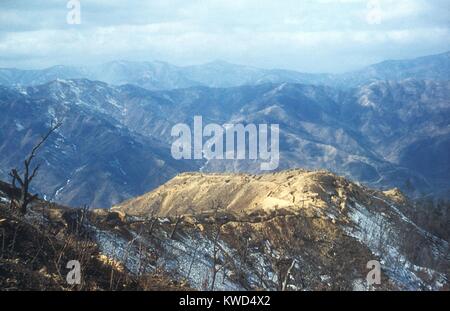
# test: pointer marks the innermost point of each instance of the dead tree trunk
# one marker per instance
(152, 219)
(172, 235)
(29, 173)
(286, 277)
(216, 208)
(215, 257)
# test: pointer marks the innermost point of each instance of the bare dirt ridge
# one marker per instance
(291, 230)
(312, 216)
(292, 190)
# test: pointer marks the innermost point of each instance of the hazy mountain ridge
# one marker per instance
(317, 131)
(158, 75)
(384, 133)
(434, 67)
(321, 127)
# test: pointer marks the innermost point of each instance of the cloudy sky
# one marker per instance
(304, 35)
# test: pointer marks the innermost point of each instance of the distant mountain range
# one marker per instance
(162, 76)
(93, 159)
(385, 126)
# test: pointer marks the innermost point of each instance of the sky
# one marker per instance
(304, 35)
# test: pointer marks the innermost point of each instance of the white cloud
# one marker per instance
(308, 35)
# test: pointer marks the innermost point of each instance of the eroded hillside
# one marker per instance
(293, 230)
(321, 228)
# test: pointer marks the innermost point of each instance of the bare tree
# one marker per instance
(179, 218)
(29, 173)
(243, 242)
(194, 257)
(153, 219)
(2, 231)
(286, 277)
(216, 248)
(215, 256)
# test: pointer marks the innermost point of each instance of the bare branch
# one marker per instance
(43, 139)
(34, 173)
(16, 176)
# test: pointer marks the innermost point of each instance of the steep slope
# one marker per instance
(384, 134)
(307, 231)
(92, 159)
(37, 247)
(296, 230)
(362, 133)
(408, 123)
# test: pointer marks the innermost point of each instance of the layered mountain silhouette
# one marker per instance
(384, 126)
(93, 159)
(159, 75)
